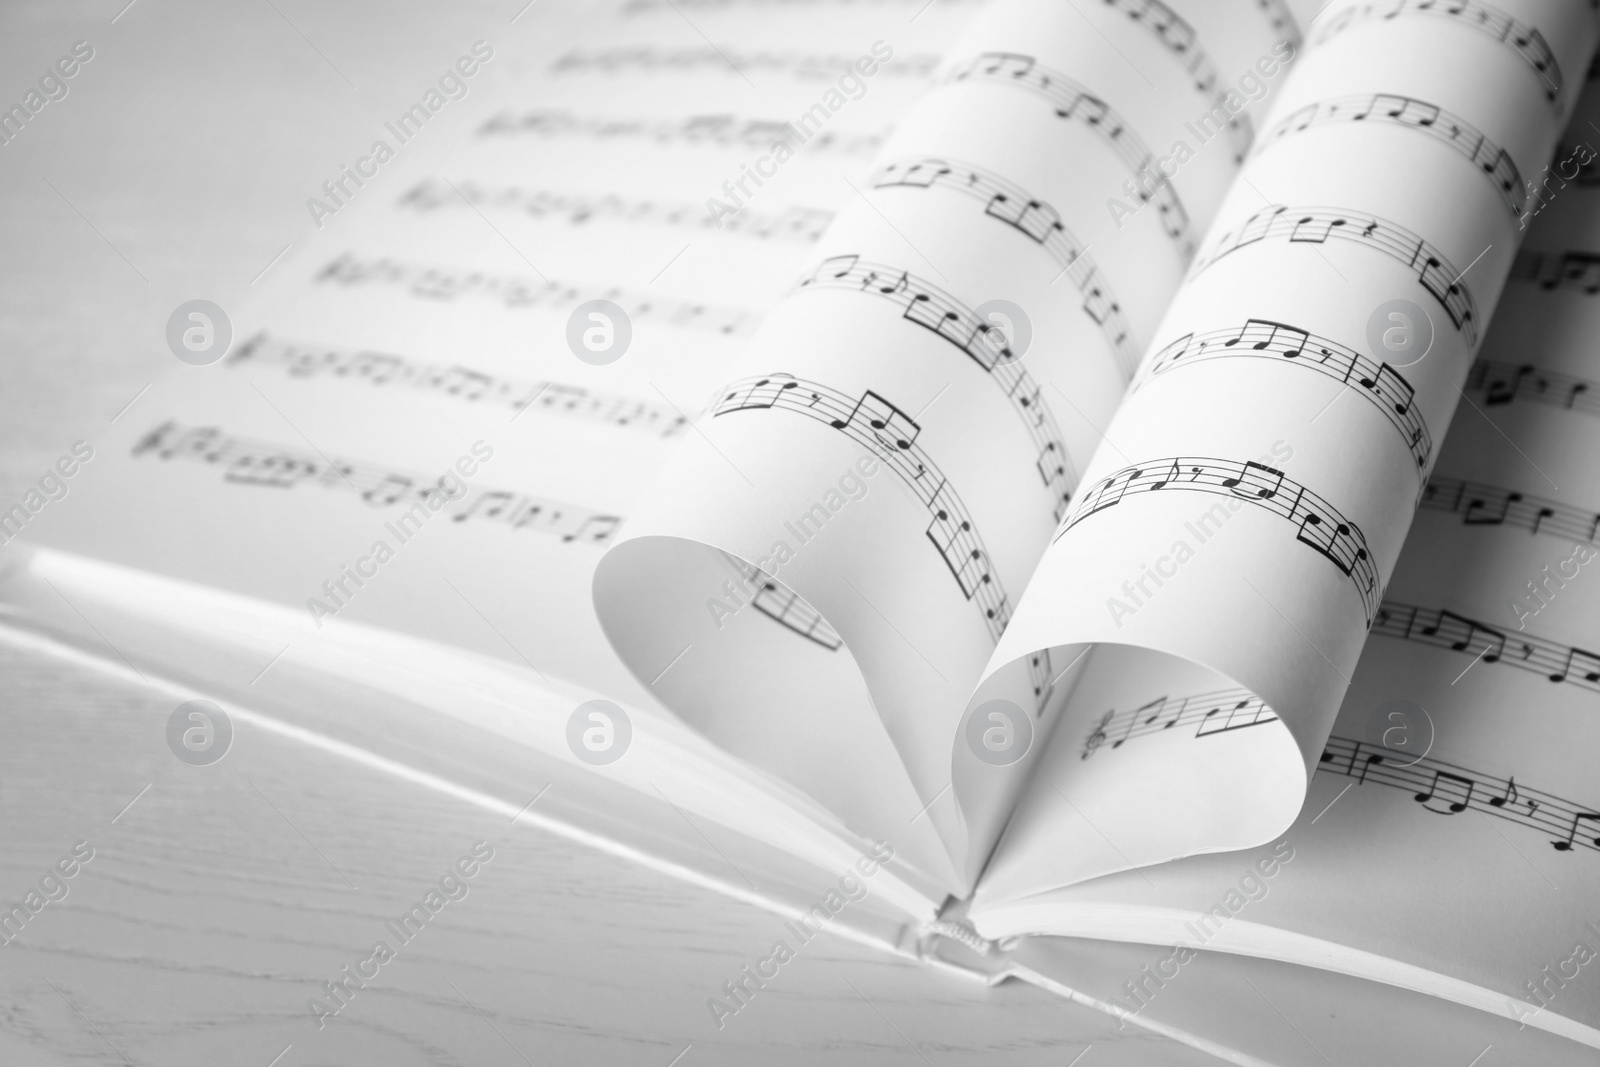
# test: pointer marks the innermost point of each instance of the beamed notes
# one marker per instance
(259, 463)
(1513, 648)
(1502, 383)
(1181, 40)
(436, 283)
(459, 383)
(1073, 102)
(1209, 713)
(800, 224)
(1298, 225)
(1569, 270)
(874, 422)
(935, 310)
(783, 605)
(1495, 162)
(1447, 789)
(1526, 41)
(1035, 219)
(1379, 384)
(1490, 505)
(1316, 522)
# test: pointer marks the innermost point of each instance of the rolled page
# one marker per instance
(1228, 550)
(848, 531)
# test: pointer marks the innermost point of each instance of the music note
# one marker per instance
(392, 489)
(1587, 664)
(1454, 806)
(1509, 798)
(1572, 832)
(1478, 513)
(1496, 639)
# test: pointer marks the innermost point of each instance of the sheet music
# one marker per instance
(1184, 541)
(1460, 855)
(431, 312)
(960, 337)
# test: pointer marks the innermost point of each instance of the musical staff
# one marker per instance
(1528, 43)
(1281, 19)
(262, 463)
(783, 605)
(459, 383)
(810, 66)
(1073, 102)
(1445, 629)
(1209, 713)
(1181, 40)
(1569, 270)
(444, 284)
(724, 131)
(1318, 524)
(800, 224)
(1380, 384)
(1447, 789)
(1490, 505)
(1034, 218)
(986, 344)
(1501, 383)
(1495, 162)
(1319, 225)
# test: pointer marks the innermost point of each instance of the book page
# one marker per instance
(897, 443)
(419, 426)
(1234, 534)
(1450, 839)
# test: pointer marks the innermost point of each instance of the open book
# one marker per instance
(1001, 503)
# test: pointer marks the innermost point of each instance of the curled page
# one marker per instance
(1228, 551)
(847, 533)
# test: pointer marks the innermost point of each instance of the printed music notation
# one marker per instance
(784, 606)
(800, 224)
(460, 383)
(1317, 523)
(1072, 101)
(872, 421)
(1501, 383)
(1490, 505)
(1210, 713)
(1448, 789)
(435, 283)
(721, 130)
(1281, 19)
(937, 311)
(266, 464)
(1034, 218)
(1495, 162)
(1569, 270)
(1446, 629)
(805, 65)
(1379, 383)
(1319, 225)
(1526, 41)
(1181, 40)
